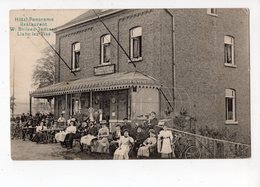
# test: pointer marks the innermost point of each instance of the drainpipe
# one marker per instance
(58, 76)
(173, 59)
(117, 45)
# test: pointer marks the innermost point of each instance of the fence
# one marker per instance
(216, 148)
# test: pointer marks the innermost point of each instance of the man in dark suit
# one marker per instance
(115, 139)
(126, 126)
(99, 116)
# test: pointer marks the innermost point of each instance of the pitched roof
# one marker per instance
(89, 15)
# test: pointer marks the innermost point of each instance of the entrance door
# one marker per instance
(105, 103)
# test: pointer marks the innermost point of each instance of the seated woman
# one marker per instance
(60, 137)
(40, 137)
(148, 146)
(115, 140)
(165, 140)
(102, 142)
(70, 133)
(87, 140)
(125, 143)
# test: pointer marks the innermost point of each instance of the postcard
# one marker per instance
(109, 84)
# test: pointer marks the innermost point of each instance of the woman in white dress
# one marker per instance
(88, 140)
(125, 143)
(102, 142)
(148, 146)
(165, 140)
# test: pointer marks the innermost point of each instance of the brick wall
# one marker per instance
(200, 75)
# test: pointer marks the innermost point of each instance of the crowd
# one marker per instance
(138, 140)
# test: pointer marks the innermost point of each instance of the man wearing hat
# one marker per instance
(61, 118)
(115, 140)
(126, 126)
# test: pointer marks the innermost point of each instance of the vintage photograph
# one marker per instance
(110, 84)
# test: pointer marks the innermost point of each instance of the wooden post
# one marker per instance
(66, 106)
(90, 99)
(30, 111)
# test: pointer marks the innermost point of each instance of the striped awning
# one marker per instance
(98, 83)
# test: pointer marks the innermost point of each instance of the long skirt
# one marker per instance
(143, 151)
(165, 148)
(60, 136)
(102, 146)
(87, 140)
(121, 154)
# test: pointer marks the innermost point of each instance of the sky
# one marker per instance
(25, 50)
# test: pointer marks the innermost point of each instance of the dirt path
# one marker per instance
(27, 150)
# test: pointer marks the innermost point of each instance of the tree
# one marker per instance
(43, 73)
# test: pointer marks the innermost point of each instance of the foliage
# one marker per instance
(183, 121)
(223, 133)
(43, 73)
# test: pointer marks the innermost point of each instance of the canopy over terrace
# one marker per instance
(97, 83)
(116, 81)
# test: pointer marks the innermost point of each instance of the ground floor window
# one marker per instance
(230, 105)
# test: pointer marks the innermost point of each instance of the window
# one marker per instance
(136, 43)
(75, 56)
(105, 49)
(212, 11)
(229, 51)
(230, 105)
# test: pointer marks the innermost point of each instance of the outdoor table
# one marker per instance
(50, 133)
(26, 130)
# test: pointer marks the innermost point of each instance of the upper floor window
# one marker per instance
(75, 56)
(212, 11)
(230, 105)
(136, 43)
(229, 51)
(105, 49)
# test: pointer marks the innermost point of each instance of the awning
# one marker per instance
(98, 83)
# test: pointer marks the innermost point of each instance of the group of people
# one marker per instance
(30, 126)
(128, 139)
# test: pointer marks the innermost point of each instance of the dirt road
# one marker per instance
(27, 150)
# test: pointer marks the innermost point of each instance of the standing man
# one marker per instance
(101, 116)
(61, 118)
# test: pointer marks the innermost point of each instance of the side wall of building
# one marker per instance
(201, 77)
